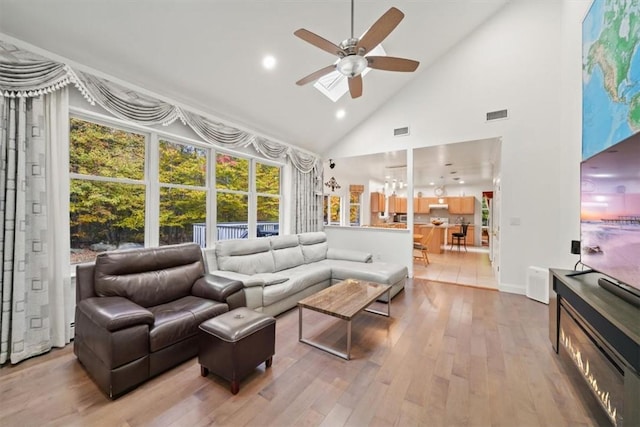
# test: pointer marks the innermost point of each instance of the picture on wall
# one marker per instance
(611, 74)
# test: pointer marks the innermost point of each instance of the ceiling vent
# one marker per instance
(401, 131)
(496, 115)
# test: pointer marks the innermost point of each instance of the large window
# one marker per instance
(331, 210)
(233, 178)
(354, 208)
(183, 193)
(107, 188)
(132, 188)
(268, 199)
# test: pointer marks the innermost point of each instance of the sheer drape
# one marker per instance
(35, 277)
(306, 193)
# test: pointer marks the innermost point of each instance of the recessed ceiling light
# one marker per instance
(461, 182)
(269, 62)
(340, 114)
(432, 183)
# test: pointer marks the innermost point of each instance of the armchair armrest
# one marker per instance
(215, 287)
(114, 313)
(349, 255)
(247, 280)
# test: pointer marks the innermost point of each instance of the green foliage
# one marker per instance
(232, 207)
(106, 212)
(113, 212)
(232, 173)
(103, 151)
(182, 164)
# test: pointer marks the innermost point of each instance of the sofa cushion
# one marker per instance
(287, 252)
(149, 276)
(245, 256)
(300, 278)
(379, 272)
(314, 246)
(178, 320)
(312, 238)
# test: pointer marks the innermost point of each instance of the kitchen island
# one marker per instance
(434, 246)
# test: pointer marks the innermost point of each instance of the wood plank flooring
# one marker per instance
(448, 356)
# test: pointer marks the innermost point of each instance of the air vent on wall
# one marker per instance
(401, 131)
(495, 115)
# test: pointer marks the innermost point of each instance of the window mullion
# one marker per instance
(152, 214)
(252, 215)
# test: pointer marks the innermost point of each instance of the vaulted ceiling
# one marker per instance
(207, 54)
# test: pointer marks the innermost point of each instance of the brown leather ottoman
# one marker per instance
(233, 344)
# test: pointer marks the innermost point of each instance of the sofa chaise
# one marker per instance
(279, 271)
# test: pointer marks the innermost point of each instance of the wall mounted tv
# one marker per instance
(610, 214)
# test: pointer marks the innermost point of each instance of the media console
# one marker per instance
(599, 333)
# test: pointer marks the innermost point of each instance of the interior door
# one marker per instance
(494, 237)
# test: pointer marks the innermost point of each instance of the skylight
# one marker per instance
(334, 84)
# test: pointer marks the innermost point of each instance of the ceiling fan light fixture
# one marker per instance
(351, 65)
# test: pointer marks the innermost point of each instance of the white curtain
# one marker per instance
(35, 283)
(306, 193)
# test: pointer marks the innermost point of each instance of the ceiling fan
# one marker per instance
(352, 52)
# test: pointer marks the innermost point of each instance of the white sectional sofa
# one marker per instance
(279, 271)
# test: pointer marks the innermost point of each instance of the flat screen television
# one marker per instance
(610, 214)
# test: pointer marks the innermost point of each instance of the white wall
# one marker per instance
(527, 58)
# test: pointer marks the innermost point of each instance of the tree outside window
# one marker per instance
(354, 208)
(107, 189)
(331, 210)
(183, 193)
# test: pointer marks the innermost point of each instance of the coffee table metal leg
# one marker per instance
(382, 313)
(346, 355)
(348, 339)
(299, 323)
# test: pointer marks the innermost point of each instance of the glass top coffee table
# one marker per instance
(344, 300)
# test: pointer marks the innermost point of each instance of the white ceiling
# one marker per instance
(207, 53)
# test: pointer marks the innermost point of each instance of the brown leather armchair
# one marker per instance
(138, 312)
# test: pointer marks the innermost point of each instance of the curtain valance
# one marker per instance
(23, 74)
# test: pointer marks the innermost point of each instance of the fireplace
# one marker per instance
(598, 366)
(597, 336)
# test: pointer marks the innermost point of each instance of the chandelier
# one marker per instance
(332, 184)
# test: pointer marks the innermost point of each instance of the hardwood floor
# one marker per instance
(448, 356)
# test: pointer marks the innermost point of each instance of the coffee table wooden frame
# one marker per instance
(343, 301)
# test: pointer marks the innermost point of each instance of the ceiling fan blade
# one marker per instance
(389, 63)
(380, 29)
(320, 42)
(355, 86)
(316, 75)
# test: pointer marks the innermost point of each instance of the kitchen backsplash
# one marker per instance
(453, 219)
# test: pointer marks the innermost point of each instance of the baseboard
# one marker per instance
(512, 289)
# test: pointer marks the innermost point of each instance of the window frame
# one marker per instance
(151, 178)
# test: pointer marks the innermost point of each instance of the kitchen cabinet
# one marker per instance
(377, 202)
(401, 204)
(461, 205)
(421, 205)
(397, 204)
(434, 246)
(392, 203)
(458, 229)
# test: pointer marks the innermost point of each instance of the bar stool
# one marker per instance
(457, 238)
